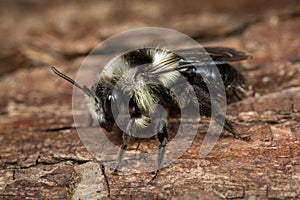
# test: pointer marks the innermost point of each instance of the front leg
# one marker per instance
(127, 139)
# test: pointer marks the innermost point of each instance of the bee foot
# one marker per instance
(152, 181)
(243, 137)
(115, 171)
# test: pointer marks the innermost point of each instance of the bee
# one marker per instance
(146, 77)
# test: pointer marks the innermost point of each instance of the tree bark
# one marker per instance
(42, 156)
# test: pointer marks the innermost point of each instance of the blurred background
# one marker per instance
(40, 32)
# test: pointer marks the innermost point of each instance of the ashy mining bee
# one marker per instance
(146, 77)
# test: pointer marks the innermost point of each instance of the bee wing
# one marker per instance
(217, 54)
(200, 57)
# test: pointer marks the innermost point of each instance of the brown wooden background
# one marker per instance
(41, 155)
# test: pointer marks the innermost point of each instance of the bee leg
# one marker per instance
(137, 146)
(120, 156)
(127, 138)
(229, 128)
(136, 149)
(163, 139)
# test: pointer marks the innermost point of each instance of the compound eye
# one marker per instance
(111, 98)
(111, 101)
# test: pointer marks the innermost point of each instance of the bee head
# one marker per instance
(101, 109)
(99, 99)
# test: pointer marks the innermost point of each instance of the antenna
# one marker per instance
(84, 88)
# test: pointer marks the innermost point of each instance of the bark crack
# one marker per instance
(105, 178)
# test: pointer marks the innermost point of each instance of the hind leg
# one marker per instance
(163, 139)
